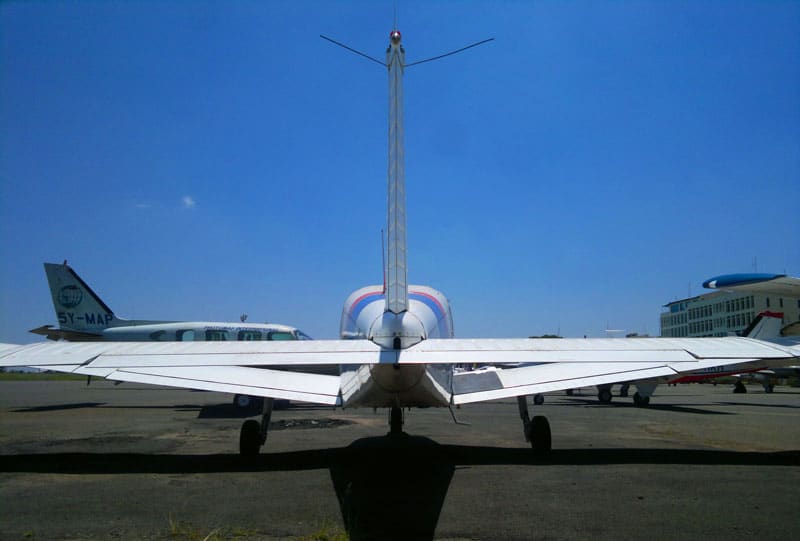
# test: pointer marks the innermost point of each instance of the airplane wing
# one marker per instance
(229, 367)
(525, 366)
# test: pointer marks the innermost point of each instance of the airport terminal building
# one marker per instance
(723, 313)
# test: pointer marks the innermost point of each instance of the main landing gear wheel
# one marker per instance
(250, 438)
(640, 401)
(537, 430)
(739, 388)
(538, 399)
(604, 396)
(254, 434)
(541, 440)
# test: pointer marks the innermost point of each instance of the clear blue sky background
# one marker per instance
(198, 160)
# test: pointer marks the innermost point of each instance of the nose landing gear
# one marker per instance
(395, 421)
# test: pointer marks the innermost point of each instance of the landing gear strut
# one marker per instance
(254, 434)
(537, 430)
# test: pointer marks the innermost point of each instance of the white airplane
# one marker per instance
(765, 326)
(83, 316)
(397, 348)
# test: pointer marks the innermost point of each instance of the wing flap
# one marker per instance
(663, 350)
(317, 388)
(475, 387)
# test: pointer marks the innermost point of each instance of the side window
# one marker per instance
(158, 335)
(302, 336)
(279, 335)
(186, 335)
(248, 336)
(216, 336)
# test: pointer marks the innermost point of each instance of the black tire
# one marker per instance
(396, 421)
(641, 401)
(541, 441)
(538, 399)
(250, 438)
(605, 396)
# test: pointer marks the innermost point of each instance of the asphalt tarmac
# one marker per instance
(140, 462)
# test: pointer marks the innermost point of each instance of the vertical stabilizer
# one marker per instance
(396, 277)
(765, 326)
(77, 307)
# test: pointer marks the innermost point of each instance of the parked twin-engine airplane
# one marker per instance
(84, 317)
(397, 348)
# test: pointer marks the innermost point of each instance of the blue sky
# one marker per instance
(199, 160)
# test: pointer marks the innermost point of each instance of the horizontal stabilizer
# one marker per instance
(51, 333)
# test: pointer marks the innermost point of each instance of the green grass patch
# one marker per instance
(327, 532)
(179, 530)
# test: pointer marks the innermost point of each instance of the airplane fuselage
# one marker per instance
(364, 317)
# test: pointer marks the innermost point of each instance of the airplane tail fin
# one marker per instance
(77, 307)
(396, 279)
(766, 325)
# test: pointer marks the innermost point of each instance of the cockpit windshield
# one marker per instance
(280, 335)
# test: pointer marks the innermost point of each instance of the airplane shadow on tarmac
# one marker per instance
(593, 402)
(381, 481)
(206, 411)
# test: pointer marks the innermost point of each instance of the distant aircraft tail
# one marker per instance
(77, 307)
(764, 326)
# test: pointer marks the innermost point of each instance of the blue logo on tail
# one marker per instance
(70, 296)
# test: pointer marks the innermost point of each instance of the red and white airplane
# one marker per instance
(397, 348)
